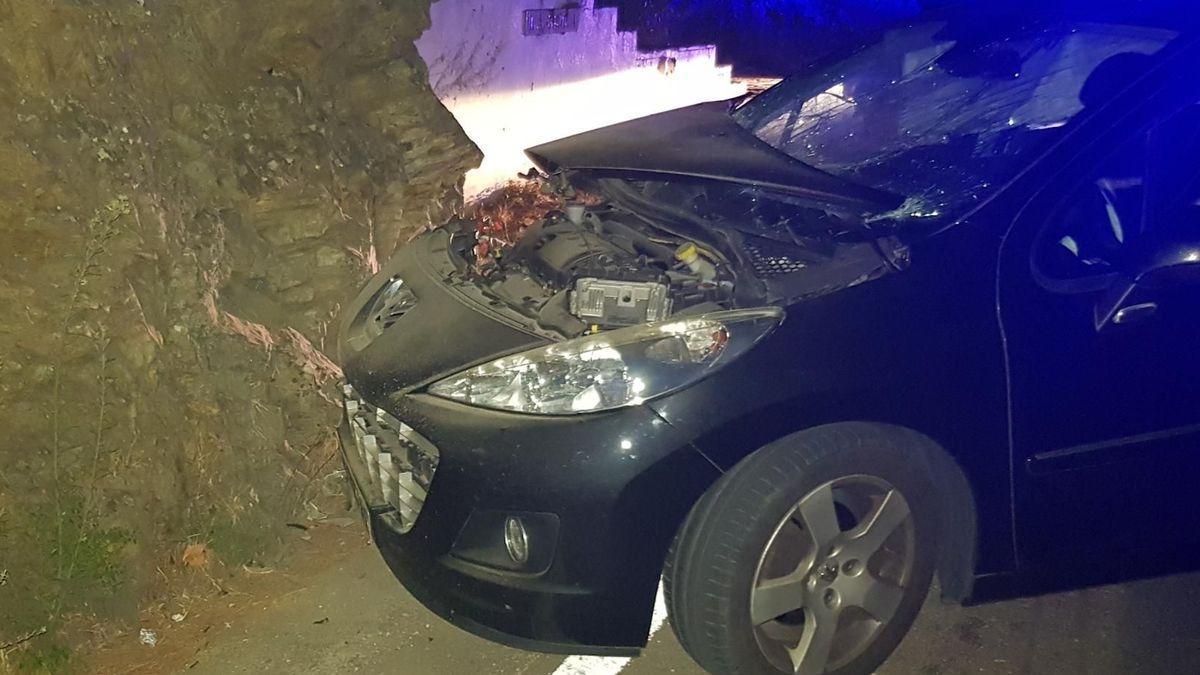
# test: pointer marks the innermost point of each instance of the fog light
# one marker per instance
(516, 540)
(509, 541)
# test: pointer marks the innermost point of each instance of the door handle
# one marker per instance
(1135, 313)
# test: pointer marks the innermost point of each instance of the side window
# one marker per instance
(1173, 197)
(1151, 181)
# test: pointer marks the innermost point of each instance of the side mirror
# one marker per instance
(1162, 265)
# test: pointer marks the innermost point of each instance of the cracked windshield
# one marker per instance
(941, 118)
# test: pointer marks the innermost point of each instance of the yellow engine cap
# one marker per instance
(687, 252)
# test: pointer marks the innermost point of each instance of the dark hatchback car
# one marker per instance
(931, 309)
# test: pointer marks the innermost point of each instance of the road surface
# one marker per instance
(354, 617)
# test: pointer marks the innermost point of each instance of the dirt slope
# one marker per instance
(188, 189)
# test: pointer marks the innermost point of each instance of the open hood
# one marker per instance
(701, 141)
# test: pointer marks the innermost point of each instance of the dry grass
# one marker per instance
(311, 360)
(502, 215)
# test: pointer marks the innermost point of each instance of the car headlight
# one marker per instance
(611, 369)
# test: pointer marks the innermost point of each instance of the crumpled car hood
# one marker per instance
(701, 141)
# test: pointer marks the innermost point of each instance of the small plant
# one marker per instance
(80, 550)
(52, 658)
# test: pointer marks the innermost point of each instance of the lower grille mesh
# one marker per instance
(771, 261)
(399, 463)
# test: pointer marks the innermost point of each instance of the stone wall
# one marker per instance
(188, 190)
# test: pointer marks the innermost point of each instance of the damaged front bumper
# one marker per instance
(590, 494)
(393, 464)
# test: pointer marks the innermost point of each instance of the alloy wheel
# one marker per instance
(832, 575)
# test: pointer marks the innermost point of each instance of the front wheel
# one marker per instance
(813, 555)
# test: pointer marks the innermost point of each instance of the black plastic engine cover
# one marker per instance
(561, 252)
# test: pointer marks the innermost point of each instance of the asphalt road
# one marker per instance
(354, 617)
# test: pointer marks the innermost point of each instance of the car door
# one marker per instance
(1105, 422)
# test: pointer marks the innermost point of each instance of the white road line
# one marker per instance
(611, 665)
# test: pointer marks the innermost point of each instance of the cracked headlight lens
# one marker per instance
(611, 369)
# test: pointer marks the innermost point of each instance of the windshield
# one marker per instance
(945, 123)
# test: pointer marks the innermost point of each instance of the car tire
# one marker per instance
(840, 519)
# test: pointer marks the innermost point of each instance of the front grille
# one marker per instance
(389, 305)
(397, 462)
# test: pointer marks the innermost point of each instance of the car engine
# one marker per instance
(597, 267)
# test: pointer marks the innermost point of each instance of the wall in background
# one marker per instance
(762, 37)
(510, 89)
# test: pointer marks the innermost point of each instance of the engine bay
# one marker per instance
(592, 267)
(626, 252)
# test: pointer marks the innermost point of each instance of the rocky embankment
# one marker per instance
(188, 191)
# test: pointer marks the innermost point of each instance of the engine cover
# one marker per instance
(561, 252)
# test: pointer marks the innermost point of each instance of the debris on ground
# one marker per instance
(148, 637)
(195, 556)
(13, 644)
